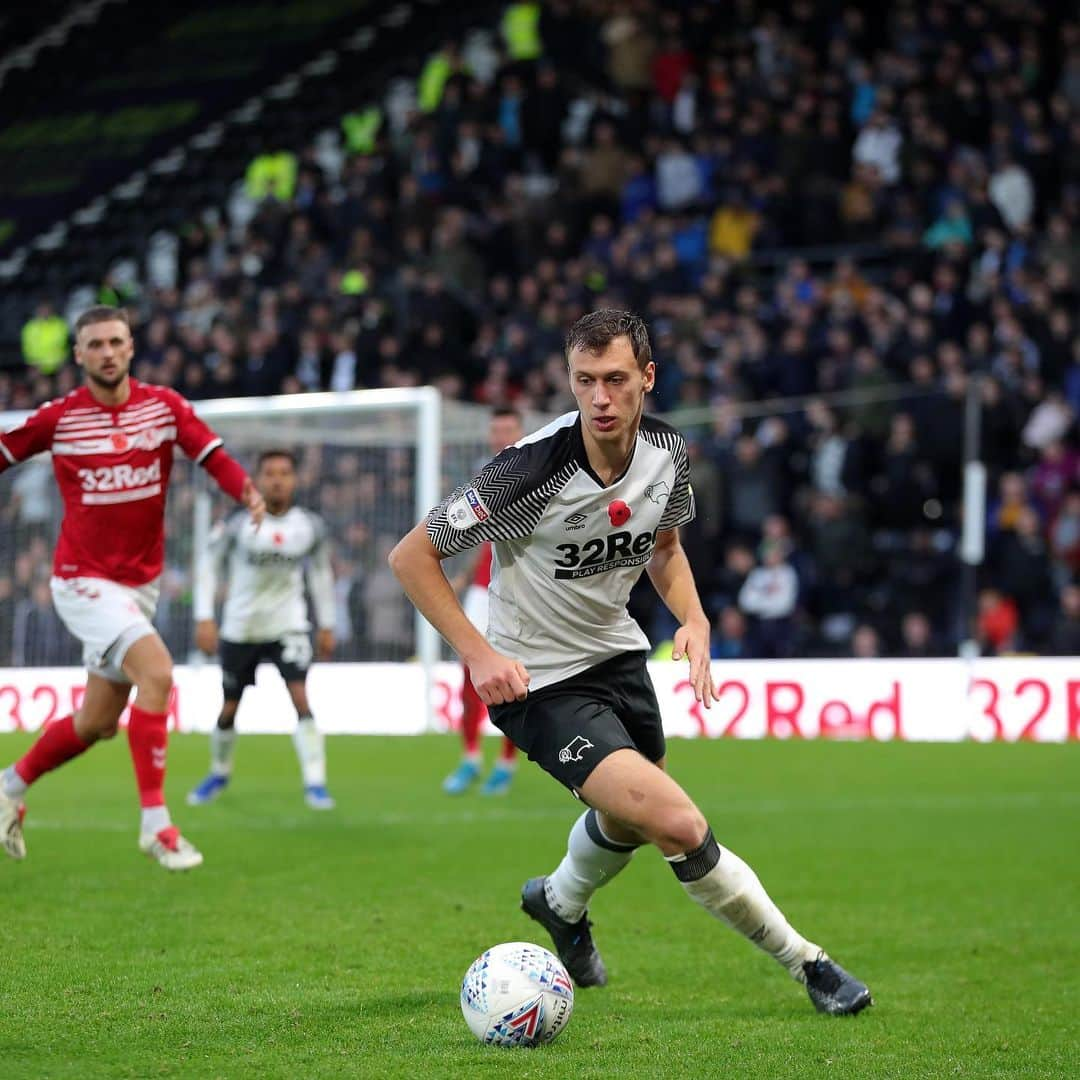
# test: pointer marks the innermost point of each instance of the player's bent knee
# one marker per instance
(678, 829)
(158, 681)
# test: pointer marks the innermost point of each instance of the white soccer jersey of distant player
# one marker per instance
(567, 549)
(264, 570)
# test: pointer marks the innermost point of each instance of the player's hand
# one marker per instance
(324, 643)
(500, 680)
(253, 500)
(206, 636)
(692, 641)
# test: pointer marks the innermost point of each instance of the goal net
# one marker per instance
(371, 462)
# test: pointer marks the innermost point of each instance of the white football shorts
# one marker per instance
(107, 618)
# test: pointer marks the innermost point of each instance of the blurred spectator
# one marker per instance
(630, 45)
(840, 550)
(878, 145)
(1064, 637)
(271, 175)
(45, 340)
(1020, 564)
(729, 636)
(770, 594)
(733, 226)
(1057, 471)
(1011, 503)
(727, 581)
(751, 487)
(917, 636)
(905, 481)
(1064, 537)
(865, 643)
(1048, 422)
(30, 509)
(997, 623)
(1012, 192)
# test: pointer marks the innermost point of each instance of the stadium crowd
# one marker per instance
(833, 218)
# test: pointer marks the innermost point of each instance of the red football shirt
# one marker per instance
(112, 464)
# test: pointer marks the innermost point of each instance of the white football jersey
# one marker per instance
(567, 549)
(264, 571)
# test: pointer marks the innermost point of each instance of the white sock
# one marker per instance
(155, 818)
(310, 752)
(730, 890)
(222, 744)
(13, 785)
(591, 860)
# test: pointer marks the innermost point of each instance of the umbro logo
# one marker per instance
(576, 521)
(573, 750)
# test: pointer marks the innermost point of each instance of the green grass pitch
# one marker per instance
(325, 945)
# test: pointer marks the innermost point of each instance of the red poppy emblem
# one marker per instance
(619, 513)
(279, 538)
(119, 441)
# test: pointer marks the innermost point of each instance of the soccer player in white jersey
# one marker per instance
(265, 619)
(575, 511)
(112, 443)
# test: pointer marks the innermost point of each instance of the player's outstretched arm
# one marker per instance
(204, 447)
(230, 476)
(252, 498)
(417, 564)
(669, 570)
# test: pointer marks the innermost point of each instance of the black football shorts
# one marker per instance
(290, 654)
(569, 727)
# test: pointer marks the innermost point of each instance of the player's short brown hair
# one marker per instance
(101, 313)
(595, 331)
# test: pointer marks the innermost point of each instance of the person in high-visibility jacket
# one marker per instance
(521, 31)
(45, 340)
(271, 175)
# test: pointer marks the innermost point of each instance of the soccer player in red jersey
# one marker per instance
(112, 442)
(505, 430)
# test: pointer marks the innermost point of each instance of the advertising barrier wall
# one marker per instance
(1005, 700)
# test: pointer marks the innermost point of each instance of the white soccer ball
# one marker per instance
(516, 994)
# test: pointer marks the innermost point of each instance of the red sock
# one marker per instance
(508, 751)
(148, 737)
(55, 745)
(472, 714)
